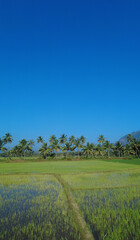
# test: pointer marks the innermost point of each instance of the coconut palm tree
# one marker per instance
(67, 147)
(108, 146)
(78, 145)
(55, 146)
(44, 150)
(138, 143)
(88, 149)
(62, 141)
(40, 139)
(5, 151)
(128, 150)
(129, 138)
(7, 138)
(1, 144)
(16, 150)
(99, 149)
(83, 140)
(135, 145)
(72, 140)
(24, 146)
(52, 139)
(119, 148)
(31, 143)
(101, 139)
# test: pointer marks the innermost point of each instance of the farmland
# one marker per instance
(91, 199)
(69, 167)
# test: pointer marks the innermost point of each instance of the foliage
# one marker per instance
(71, 146)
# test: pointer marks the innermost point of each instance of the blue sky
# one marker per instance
(69, 67)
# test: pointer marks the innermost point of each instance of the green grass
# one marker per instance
(65, 167)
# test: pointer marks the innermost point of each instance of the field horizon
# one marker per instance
(67, 167)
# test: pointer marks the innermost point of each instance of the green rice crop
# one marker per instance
(42, 206)
(103, 180)
(66, 167)
(34, 207)
(111, 213)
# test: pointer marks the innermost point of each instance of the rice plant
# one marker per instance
(34, 208)
(112, 214)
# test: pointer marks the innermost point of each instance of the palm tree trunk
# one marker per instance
(78, 151)
(56, 153)
(119, 154)
(108, 153)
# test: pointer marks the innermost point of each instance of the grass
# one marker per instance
(67, 167)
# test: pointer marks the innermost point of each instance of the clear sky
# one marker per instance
(69, 66)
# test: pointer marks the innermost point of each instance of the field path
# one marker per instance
(84, 231)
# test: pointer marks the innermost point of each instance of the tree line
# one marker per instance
(71, 146)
